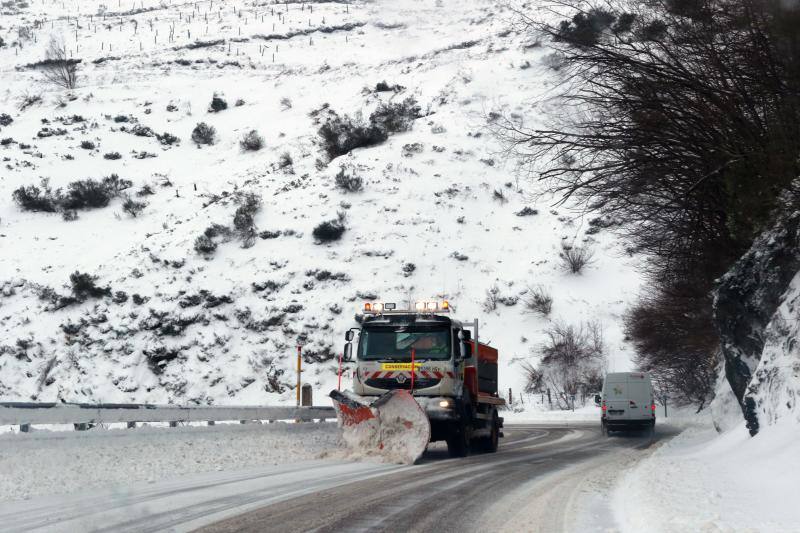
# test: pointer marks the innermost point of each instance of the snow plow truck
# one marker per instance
(421, 376)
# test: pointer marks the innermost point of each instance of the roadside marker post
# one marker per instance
(299, 370)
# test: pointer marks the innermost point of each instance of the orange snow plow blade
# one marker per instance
(392, 427)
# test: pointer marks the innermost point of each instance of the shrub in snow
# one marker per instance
(87, 145)
(330, 230)
(538, 300)
(5, 119)
(239, 102)
(575, 258)
(285, 161)
(158, 357)
(286, 104)
(140, 130)
(382, 87)
(167, 139)
(122, 118)
(396, 117)
(348, 182)
(84, 286)
(204, 134)
(341, 135)
(133, 207)
(409, 150)
(252, 141)
(267, 234)
(408, 269)
(115, 185)
(218, 230)
(526, 211)
(86, 193)
(69, 215)
(491, 299)
(217, 104)
(112, 156)
(32, 198)
(205, 245)
(243, 223)
(120, 297)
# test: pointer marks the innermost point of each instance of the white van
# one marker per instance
(627, 402)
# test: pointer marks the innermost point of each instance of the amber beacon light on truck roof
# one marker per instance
(422, 306)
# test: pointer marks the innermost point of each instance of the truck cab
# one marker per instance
(433, 356)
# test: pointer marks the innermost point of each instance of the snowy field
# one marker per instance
(442, 212)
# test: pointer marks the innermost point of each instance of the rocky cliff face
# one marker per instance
(756, 312)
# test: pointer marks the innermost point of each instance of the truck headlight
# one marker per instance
(444, 403)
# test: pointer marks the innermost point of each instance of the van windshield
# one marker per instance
(396, 343)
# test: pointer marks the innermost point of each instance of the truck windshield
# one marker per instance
(395, 343)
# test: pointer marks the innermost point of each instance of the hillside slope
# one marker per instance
(437, 216)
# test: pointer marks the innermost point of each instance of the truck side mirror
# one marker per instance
(349, 334)
(347, 356)
(597, 399)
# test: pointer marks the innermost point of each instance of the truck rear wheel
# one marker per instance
(489, 444)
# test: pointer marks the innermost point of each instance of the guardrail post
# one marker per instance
(210, 422)
(81, 426)
(24, 428)
(131, 425)
(173, 424)
(307, 392)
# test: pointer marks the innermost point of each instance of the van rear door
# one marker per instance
(616, 398)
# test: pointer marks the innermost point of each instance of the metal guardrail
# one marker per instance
(24, 414)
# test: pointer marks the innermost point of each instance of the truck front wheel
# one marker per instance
(458, 441)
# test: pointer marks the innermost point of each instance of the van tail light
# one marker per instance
(604, 407)
(653, 407)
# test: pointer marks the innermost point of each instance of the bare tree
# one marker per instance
(681, 118)
(57, 68)
(573, 357)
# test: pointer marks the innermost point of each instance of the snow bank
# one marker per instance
(702, 481)
(46, 462)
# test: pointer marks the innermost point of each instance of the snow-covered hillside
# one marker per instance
(440, 213)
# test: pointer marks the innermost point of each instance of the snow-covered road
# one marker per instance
(544, 478)
(182, 504)
(536, 482)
